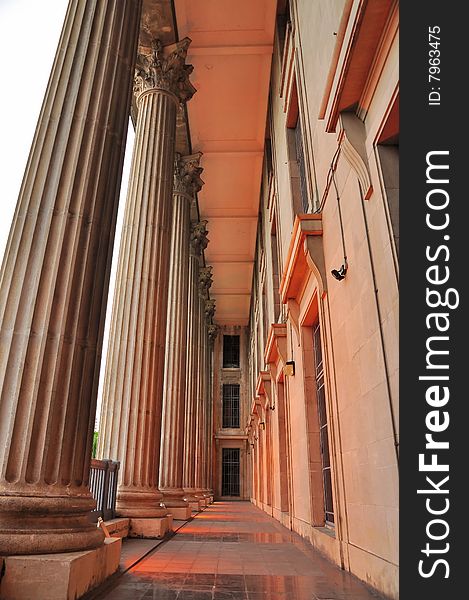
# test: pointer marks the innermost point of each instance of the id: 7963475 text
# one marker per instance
(434, 69)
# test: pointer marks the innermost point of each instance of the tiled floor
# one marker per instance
(233, 551)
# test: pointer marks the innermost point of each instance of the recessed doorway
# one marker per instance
(230, 472)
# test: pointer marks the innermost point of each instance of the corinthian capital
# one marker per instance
(165, 69)
(205, 280)
(187, 172)
(209, 309)
(212, 332)
(199, 239)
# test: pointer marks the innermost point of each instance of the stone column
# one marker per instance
(198, 243)
(54, 282)
(205, 281)
(187, 183)
(212, 335)
(133, 390)
(207, 437)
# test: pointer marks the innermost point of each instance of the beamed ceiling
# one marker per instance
(231, 52)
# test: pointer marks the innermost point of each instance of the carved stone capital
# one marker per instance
(212, 332)
(209, 309)
(199, 239)
(165, 69)
(205, 280)
(187, 172)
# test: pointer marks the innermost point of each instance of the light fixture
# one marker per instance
(339, 274)
(262, 425)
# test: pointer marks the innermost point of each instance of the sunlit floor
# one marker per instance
(233, 551)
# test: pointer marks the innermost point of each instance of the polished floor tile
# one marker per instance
(231, 551)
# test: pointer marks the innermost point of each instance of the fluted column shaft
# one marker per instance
(191, 381)
(198, 239)
(206, 412)
(54, 282)
(186, 183)
(200, 412)
(209, 311)
(133, 389)
(212, 334)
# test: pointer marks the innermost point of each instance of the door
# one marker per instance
(230, 472)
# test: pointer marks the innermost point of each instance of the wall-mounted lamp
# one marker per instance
(262, 425)
(339, 274)
(289, 368)
(252, 444)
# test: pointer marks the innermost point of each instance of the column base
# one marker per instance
(175, 501)
(208, 495)
(181, 513)
(192, 499)
(140, 503)
(47, 524)
(201, 498)
(149, 528)
(64, 576)
(118, 527)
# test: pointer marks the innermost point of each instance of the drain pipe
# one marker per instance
(380, 326)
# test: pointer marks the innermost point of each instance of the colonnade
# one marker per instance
(53, 293)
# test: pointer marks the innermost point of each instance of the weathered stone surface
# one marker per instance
(62, 576)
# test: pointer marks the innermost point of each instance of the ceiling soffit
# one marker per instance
(231, 52)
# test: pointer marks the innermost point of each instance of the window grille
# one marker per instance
(230, 472)
(231, 405)
(323, 427)
(300, 159)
